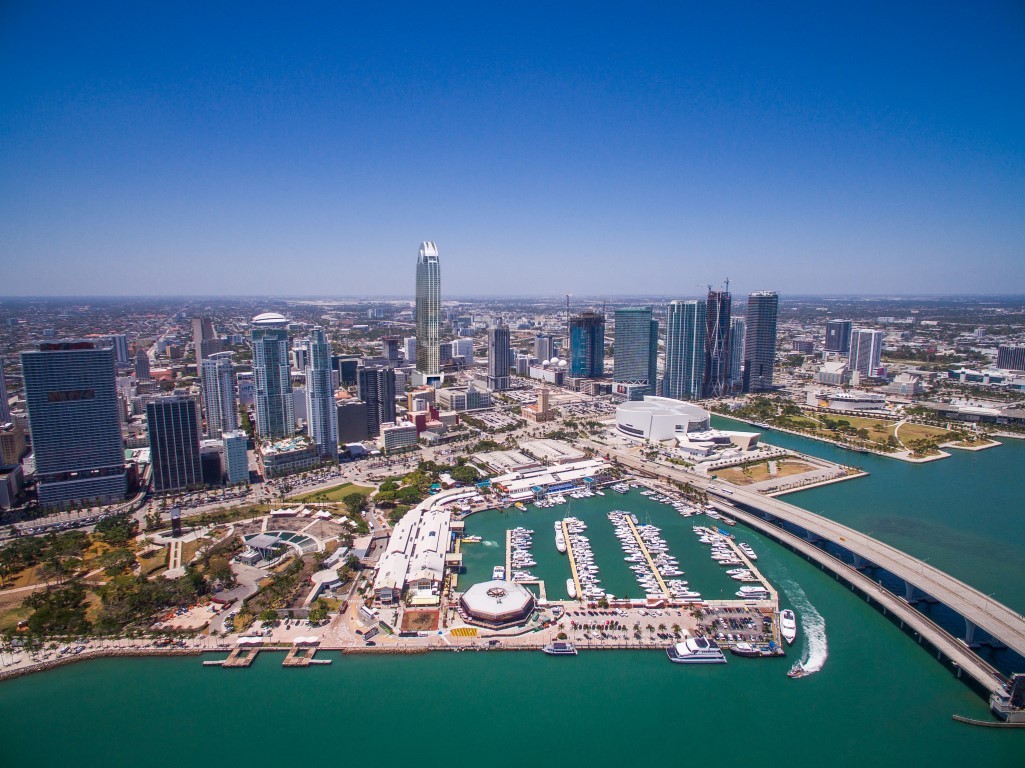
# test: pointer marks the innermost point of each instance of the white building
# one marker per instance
(866, 352)
(236, 457)
(396, 436)
(660, 418)
(219, 403)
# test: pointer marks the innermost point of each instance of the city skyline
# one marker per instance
(772, 144)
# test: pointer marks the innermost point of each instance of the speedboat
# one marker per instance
(788, 625)
(696, 650)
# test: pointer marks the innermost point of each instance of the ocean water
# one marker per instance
(877, 698)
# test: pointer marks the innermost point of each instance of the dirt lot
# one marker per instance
(419, 621)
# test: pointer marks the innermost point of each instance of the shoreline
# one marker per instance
(98, 653)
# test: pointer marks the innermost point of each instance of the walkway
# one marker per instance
(572, 560)
(647, 556)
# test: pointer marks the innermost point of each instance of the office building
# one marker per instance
(685, 350)
(173, 424)
(586, 345)
(866, 351)
(236, 457)
(428, 314)
(71, 392)
(636, 350)
(377, 390)
(203, 338)
(119, 343)
(463, 348)
(300, 358)
(390, 349)
(544, 346)
(220, 405)
(246, 381)
(12, 444)
(5, 406)
(499, 357)
(760, 340)
(352, 421)
(1009, 358)
(346, 366)
(142, 365)
(320, 400)
(275, 414)
(738, 332)
(409, 348)
(838, 336)
(717, 344)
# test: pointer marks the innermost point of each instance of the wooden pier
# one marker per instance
(301, 656)
(241, 656)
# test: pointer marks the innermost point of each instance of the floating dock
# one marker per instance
(647, 556)
(572, 561)
(240, 657)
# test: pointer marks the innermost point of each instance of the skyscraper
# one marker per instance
(428, 313)
(320, 400)
(275, 416)
(838, 336)
(71, 392)
(142, 365)
(717, 344)
(866, 351)
(203, 338)
(236, 457)
(120, 344)
(5, 407)
(738, 332)
(544, 346)
(219, 401)
(587, 345)
(377, 390)
(685, 349)
(760, 340)
(499, 357)
(390, 349)
(1009, 358)
(636, 348)
(409, 344)
(173, 424)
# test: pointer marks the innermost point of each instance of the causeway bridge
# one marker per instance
(979, 636)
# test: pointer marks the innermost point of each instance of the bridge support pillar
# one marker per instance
(969, 634)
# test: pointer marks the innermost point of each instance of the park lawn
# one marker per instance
(910, 432)
(801, 422)
(150, 565)
(337, 493)
(760, 471)
(9, 617)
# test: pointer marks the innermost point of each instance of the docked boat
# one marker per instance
(571, 589)
(696, 650)
(560, 648)
(746, 549)
(745, 649)
(560, 538)
(471, 539)
(788, 625)
(753, 593)
(498, 573)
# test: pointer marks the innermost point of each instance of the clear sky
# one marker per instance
(636, 148)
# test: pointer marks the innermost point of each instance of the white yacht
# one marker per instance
(696, 650)
(571, 589)
(746, 549)
(498, 573)
(788, 625)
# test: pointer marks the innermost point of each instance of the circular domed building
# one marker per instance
(497, 604)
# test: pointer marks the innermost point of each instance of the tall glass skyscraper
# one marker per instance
(866, 351)
(717, 344)
(760, 340)
(5, 408)
(219, 401)
(838, 336)
(685, 349)
(738, 333)
(275, 416)
(587, 345)
(71, 392)
(173, 424)
(320, 400)
(499, 357)
(377, 390)
(428, 312)
(636, 348)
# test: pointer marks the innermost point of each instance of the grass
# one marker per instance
(760, 471)
(909, 432)
(337, 493)
(150, 565)
(10, 617)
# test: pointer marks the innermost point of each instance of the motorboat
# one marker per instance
(571, 589)
(745, 649)
(696, 650)
(788, 625)
(560, 648)
(746, 549)
(498, 573)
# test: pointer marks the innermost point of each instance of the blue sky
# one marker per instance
(631, 148)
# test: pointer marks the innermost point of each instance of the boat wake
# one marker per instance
(490, 543)
(815, 648)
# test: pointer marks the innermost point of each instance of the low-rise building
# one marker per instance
(285, 457)
(396, 436)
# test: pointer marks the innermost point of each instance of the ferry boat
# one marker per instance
(788, 625)
(696, 650)
(560, 648)
(498, 573)
(571, 589)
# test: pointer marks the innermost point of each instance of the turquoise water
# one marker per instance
(879, 700)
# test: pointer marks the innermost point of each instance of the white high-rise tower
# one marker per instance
(320, 401)
(219, 401)
(428, 313)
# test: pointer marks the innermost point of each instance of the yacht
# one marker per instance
(746, 549)
(745, 649)
(560, 648)
(753, 593)
(696, 650)
(788, 625)
(471, 539)
(571, 589)
(498, 573)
